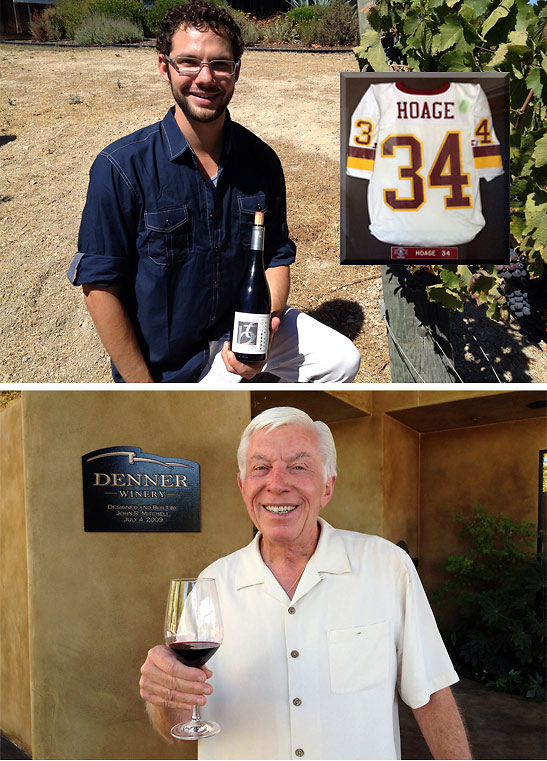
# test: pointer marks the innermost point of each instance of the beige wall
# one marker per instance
(14, 621)
(495, 466)
(97, 600)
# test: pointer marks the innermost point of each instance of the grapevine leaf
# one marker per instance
(499, 57)
(483, 283)
(450, 278)
(464, 274)
(447, 298)
(536, 223)
(478, 6)
(412, 23)
(370, 50)
(518, 43)
(500, 12)
(540, 152)
(450, 34)
(455, 60)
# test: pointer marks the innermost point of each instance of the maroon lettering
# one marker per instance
(414, 110)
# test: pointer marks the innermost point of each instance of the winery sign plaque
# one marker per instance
(128, 490)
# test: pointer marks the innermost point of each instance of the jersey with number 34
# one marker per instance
(424, 152)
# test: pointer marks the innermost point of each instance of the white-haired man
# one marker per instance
(323, 628)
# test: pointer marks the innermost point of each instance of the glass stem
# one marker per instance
(196, 718)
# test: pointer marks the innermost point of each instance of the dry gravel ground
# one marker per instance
(59, 106)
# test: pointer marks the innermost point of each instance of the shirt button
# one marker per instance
(291, 610)
(299, 752)
(294, 653)
(297, 702)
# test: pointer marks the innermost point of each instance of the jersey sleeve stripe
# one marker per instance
(366, 165)
(361, 158)
(487, 156)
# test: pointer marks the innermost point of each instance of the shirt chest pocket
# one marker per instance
(248, 206)
(168, 235)
(358, 657)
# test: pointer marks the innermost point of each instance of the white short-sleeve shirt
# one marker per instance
(317, 676)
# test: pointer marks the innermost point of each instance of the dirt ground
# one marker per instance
(59, 106)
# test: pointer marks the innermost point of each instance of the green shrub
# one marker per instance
(53, 26)
(249, 28)
(37, 26)
(498, 590)
(336, 25)
(278, 30)
(98, 29)
(304, 13)
(70, 14)
(132, 10)
(157, 12)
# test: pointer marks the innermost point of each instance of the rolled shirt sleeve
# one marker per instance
(108, 230)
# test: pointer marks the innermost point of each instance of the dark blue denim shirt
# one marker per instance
(175, 245)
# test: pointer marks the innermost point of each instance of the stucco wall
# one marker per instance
(14, 621)
(97, 600)
(495, 466)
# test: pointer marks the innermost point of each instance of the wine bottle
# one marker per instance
(251, 331)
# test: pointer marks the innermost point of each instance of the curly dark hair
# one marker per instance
(197, 14)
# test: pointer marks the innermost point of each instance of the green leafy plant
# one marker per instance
(278, 29)
(69, 15)
(304, 13)
(98, 29)
(479, 35)
(132, 10)
(334, 25)
(248, 26)
(492, 605)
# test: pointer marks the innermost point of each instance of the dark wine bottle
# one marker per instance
(251, 330)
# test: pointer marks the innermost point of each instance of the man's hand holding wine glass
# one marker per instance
(174, 676)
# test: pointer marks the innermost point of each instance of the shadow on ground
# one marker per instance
(473, 333)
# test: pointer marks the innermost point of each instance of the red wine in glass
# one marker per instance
(194, 654)
(193, 630)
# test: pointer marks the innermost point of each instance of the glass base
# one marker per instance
(195, 730)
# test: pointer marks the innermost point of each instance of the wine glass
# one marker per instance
(193, 630)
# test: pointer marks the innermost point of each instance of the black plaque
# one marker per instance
(128, 490)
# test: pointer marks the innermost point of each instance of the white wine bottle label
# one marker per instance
(251, 333)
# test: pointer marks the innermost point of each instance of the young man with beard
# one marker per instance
(165, 233)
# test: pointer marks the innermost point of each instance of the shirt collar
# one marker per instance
(177, 143)
(330, 556)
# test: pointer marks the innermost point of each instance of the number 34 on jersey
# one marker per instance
(424, 153)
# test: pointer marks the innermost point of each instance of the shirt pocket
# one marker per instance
(168, 235)
(248, 206)
(358, 657)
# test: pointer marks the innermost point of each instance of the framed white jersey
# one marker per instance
(424, 152)
(433, 149)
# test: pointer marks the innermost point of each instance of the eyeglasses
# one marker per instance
(190, 67)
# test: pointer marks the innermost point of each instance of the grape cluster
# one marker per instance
(517, 281)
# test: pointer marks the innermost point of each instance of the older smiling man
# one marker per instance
(323, 627)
